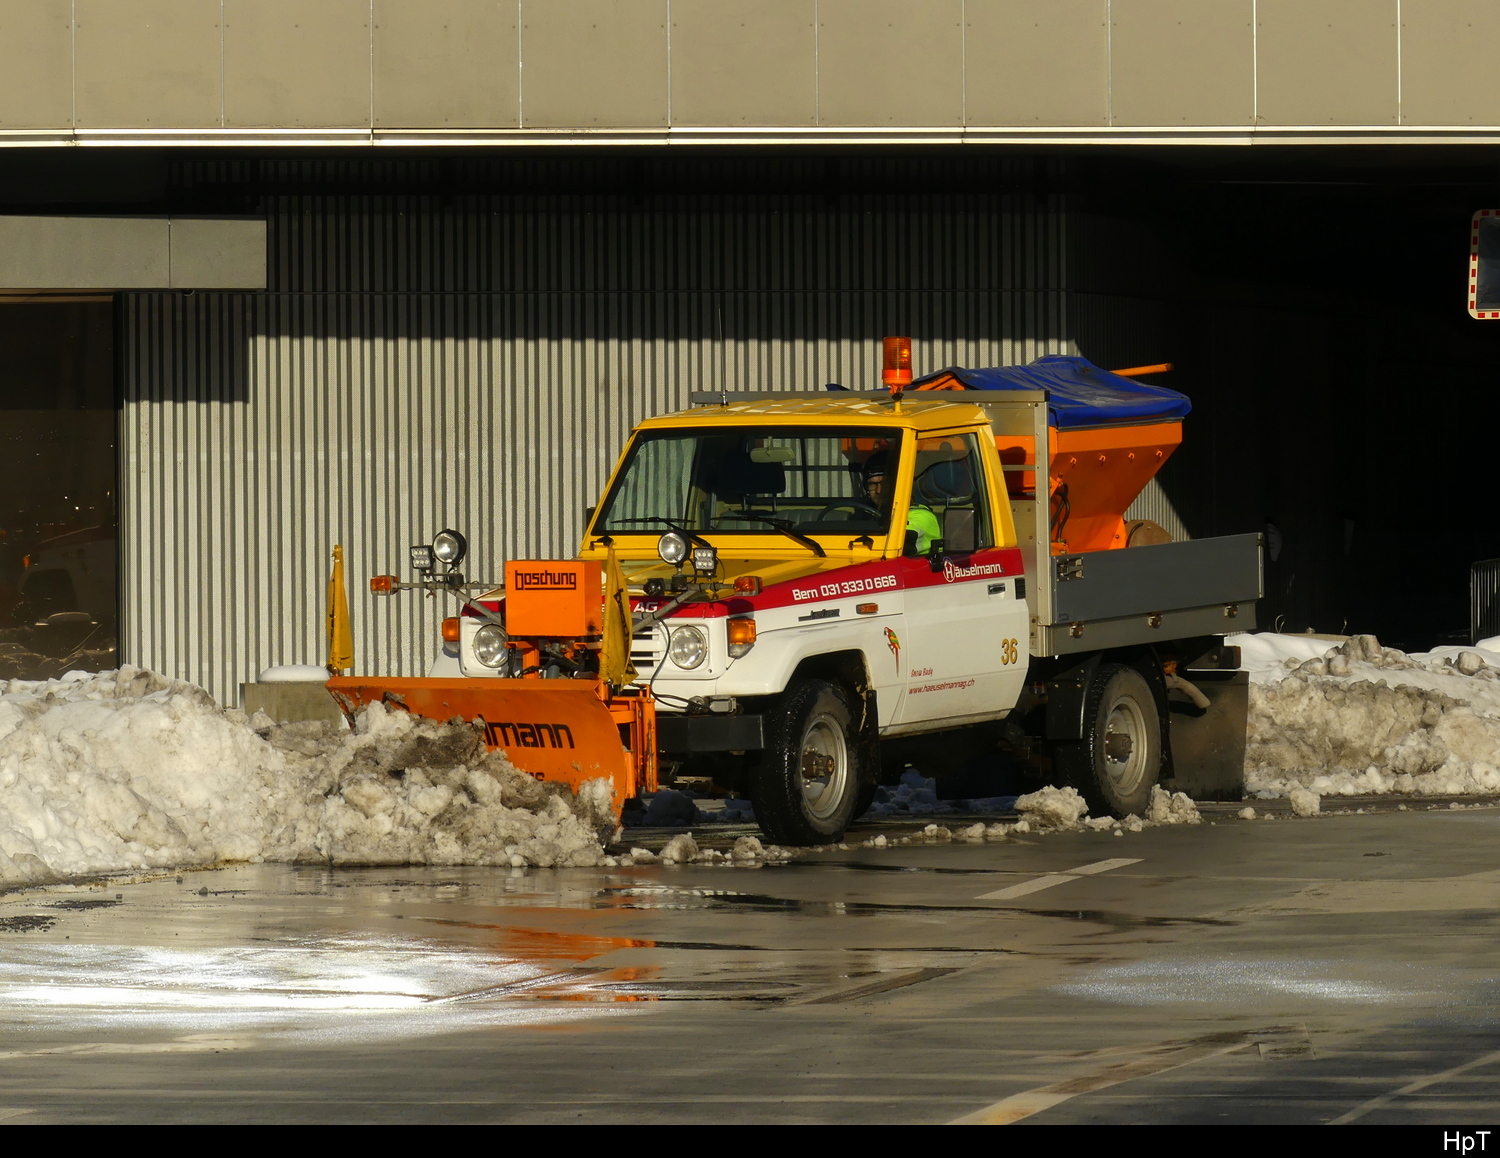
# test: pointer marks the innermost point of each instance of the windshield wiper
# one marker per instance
(691, 536)
(782, 525)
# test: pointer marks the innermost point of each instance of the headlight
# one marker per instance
(450, 547)
(489, 645)
(689, 647)
(672, 548)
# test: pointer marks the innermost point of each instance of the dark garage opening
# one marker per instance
(58, 576)
(1315, 309)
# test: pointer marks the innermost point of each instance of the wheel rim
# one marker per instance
(1126, 746)
(824, 766)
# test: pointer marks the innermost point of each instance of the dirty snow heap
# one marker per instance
(130, 770)
(1329, 719)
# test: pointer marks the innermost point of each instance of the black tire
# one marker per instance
(806, 784)
(1118, 761)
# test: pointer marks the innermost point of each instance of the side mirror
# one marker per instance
(935, 553)
(909, 548)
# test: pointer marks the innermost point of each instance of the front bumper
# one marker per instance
(710, 733)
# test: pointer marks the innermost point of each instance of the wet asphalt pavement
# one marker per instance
(1338, 969)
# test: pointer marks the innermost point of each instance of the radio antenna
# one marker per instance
(723, 355)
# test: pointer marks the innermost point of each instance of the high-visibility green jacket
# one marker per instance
(925, 524)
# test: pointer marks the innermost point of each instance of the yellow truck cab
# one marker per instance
(860, 634)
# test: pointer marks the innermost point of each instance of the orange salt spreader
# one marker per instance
(1107, 436)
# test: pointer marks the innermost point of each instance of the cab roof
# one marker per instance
(833, 410)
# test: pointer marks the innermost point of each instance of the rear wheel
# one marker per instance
(1118, 761)
(806, 784)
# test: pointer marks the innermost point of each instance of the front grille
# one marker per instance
(645, 651)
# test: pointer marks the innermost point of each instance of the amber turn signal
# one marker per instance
(747, 585)
(382, 584)
(741, 637)
(450, 631)
(867, 608)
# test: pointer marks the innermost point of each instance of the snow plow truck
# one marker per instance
(794, 593)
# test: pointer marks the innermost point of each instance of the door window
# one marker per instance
(949, 481)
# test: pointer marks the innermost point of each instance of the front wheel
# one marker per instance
(1118, 761)
(805, 785)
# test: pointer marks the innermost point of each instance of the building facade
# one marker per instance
(275, 276)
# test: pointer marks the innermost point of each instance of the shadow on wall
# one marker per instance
(615, 347)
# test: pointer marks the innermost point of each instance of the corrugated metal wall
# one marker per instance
(475, 361)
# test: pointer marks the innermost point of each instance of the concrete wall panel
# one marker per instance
(1448, 62)
(105, 253)
(446, 64)
(83, 252)
(1037, 64)
(751, 62)
(36, 64)
(294, 64)
(890, 62)
(1182, 62)
(1326, 62)
(595, 63)
(147, 63)
(213, 253)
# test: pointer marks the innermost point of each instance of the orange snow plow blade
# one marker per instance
(560, 730)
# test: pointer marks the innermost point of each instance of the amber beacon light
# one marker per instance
(895, 369)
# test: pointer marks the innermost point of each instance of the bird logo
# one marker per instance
(893, 641)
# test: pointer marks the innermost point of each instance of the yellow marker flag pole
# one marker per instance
(614, 659)
(340, 635)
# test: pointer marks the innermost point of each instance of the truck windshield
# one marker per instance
(812, 480)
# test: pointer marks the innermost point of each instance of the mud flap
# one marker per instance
(1208, 747)
(556, 730)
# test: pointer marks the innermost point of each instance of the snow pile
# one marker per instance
(130, 770)
(1305, 803)
(1171, 807)
(1359, 718)
(916, 795)
(409, 791)
(294, 673)
(1064, 808)
(746, 852)
(913, 795)
(1052, 807)
(681, 847)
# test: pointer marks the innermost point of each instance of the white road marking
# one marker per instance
(200, 1043)
(1035, 886)
(9, 1112)
(1103, 866)
(1046, 882)
(1364, 1108)
(1158, 1059)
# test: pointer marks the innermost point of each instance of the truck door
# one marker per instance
(967, 628)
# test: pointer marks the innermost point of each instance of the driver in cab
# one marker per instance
(919, 517)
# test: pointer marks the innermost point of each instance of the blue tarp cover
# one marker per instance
(1079, 393)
